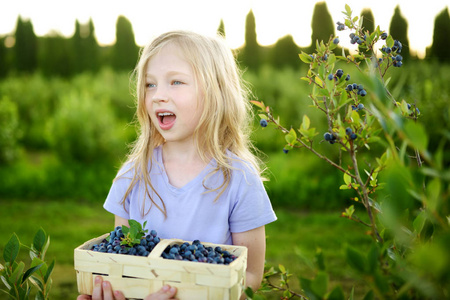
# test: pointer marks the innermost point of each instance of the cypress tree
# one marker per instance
(125, 52)
(398, 29)
(221, 28)
(25, 47)
(251, 52)
(368, 22)
(441, 44)
(285, 53)
(322, 25)
(3, 66)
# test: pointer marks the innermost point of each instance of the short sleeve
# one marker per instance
(114, 201)
(252, 207)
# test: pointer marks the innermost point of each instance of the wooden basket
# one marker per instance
(138, 276)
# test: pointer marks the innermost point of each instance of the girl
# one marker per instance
(191, 173)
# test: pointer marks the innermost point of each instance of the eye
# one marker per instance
(150, 85)
(177, 82)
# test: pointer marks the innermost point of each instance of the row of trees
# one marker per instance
(53, 54)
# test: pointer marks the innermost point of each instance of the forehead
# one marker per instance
(169, 58)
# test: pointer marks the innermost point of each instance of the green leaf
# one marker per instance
(348, 10)
(306, 286)
(305, 57)
(249, 292)
(17, 272)
(347, 179)
(331, 59)
(419, 222)
(355, 117)
(336, 294)
(11, 249)
(49, 271)
(36, 282)
(39, 240)
(282, 268)
(355, 259)
(306, 122)
(291, 137)
(416, 135)
(30, 271)
(433, 194)
(320, 284)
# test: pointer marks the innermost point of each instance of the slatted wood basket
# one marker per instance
(138, 276)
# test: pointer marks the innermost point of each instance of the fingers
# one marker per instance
(103, 291)
(97, 292)
(165, 293)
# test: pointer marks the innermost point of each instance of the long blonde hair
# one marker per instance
(225, 123)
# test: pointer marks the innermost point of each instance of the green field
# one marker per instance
(69, 224)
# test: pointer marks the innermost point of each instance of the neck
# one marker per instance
(182, 152)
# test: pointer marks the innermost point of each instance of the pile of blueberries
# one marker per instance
(113, 244)
(198, 252)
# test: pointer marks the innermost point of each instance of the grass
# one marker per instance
(293, 236)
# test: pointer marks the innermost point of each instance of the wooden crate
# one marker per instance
(138, 276)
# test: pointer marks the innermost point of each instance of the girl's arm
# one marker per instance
(255, 241)
(119, 221)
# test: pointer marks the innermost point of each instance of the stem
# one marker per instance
(364, 194)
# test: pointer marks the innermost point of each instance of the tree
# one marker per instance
(55, 56)
(285, 53)
(251, 56)
(125, 52)
(221, 29)
(25, 47)
(368, 23)
(3, 61)
(441, 32)
(322, 25)
(398, 29)
(86, 54)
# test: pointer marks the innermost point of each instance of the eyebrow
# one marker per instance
(170, 73)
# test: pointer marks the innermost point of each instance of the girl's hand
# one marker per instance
(103, 291)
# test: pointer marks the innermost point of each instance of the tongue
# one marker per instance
(168, 119)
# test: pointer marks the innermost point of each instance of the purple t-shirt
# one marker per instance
(191, 210)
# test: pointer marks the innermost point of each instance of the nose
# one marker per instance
(160, 94)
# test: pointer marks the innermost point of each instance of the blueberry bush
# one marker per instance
(400, 192)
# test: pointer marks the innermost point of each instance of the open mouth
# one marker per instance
(166, 119)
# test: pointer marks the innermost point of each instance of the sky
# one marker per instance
(274, 19)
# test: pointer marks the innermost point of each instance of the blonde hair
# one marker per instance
(225, 122)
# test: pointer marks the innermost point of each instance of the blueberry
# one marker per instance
(349, 88)
(263, 123)
(327, 136)
(359, 41)
(285, 151)
(330, 77)
(355, 86)
(153, 233)
(388, 50)
(362, 93)
(348, 131)
(360, 87)
(360, 106)
(336, 41)
(409, 106)
(325, 57)
(384, 36)
(353, 136)
(398, 57)
(347, 78)
(339, 73)
(173, 250)
(354, 107)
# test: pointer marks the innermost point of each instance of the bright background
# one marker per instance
(273, 21)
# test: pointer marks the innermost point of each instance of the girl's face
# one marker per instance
(172, 97)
